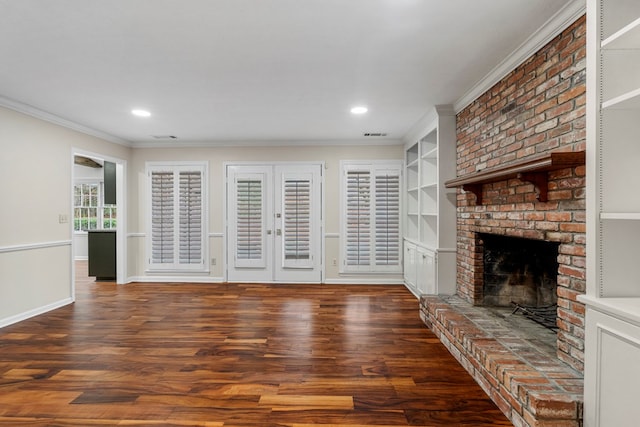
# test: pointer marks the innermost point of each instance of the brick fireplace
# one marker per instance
(538, 108)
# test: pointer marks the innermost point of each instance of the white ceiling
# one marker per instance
(254, 70)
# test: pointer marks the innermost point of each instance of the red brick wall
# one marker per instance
(537, 108)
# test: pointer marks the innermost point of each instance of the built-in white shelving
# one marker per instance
(612, 330)
(429, 236)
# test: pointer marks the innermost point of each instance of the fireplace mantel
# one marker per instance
(532, 169)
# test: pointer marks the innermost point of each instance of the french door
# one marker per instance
(274, 223)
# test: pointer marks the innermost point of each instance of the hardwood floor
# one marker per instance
(234, 355)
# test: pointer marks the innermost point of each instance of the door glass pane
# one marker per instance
(297, 219)
(249, 219)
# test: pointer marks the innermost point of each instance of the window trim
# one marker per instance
(176, 167)
(100, 207)
(370, 166)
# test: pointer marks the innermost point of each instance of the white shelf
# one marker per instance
(626, 101)
(431, 154)
(413, 163)
(626, 38)
(412, 155)
(629, 216)
(625, 308)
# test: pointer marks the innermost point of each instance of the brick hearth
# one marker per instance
(516, 367)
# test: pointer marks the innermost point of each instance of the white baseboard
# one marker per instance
(356, 281)
(177, 279)
(34, 312)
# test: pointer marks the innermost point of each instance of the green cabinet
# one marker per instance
(102, 254)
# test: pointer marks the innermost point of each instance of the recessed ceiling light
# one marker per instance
(141, 113)
(359, 110)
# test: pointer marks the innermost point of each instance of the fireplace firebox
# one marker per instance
(519, 271)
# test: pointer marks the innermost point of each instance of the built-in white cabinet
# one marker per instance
(612, 371)
(430, 220)
(410, 266)
(426, 271)
(419, 269)
(612, 342)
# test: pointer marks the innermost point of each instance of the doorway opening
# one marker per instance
(98, 204)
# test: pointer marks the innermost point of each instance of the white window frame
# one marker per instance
(373, 168)
(176, 168)
(100, 207)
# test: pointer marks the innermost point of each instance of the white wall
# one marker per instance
(35, 247)
(36, 171)
(216, 157)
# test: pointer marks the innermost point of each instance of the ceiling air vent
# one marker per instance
(164, 136)
(374, 134)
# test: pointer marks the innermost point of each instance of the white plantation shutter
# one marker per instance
(371, 217)
(297, 222)
(250, 222)
(162, 218)
(177, 235)
(358, 217)
(387, 218)
(190, 217)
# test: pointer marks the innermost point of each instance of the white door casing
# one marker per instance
(274, 223)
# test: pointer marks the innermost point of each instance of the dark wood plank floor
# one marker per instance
(234, 355)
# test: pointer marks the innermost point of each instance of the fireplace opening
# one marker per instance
(522, 274)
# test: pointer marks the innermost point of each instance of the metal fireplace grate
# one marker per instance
(546, 315)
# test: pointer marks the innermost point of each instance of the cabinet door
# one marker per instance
(612, 372)
(102, 254)
(426, 272)
(410, 272)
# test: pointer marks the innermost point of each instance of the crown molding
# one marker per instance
(52, 118)
(427, 123)
(267, 143)
(547, 32)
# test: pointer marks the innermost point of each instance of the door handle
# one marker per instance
(269, 232)
(278, 232)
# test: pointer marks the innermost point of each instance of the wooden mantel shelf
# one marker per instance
(532, 169)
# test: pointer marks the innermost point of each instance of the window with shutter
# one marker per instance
(162, 218)
(177, 226)
(190, 218)
(358, 217)
(387, 218)
(371, 217)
